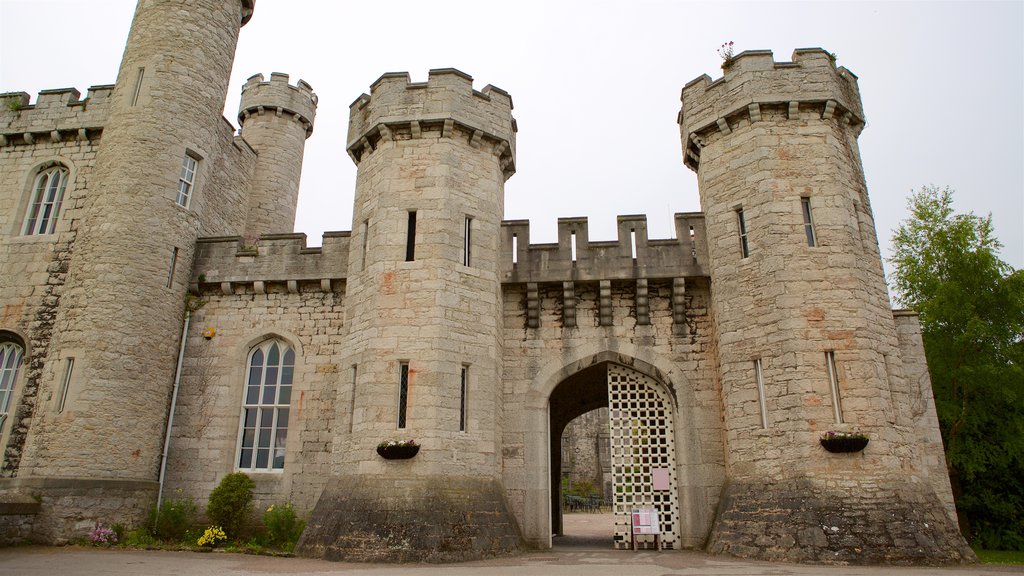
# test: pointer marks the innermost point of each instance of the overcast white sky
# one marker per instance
(596, 90)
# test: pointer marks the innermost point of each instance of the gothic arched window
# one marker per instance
(44, 206)
(10, 362)
(268, 393)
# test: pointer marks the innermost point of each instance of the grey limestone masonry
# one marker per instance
(172, 271)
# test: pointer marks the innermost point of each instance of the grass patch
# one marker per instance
(1015, 557)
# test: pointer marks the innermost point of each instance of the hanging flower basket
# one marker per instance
(843, 441)
(398, 449)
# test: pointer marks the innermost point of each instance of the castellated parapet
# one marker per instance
(280, 98)
(631, 256)
(57, 115)
(810, 85)
(444, 102)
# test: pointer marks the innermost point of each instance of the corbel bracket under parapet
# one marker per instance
(643, 311)
(605, 297)
(679, 302)
(532, 305)
(568, 305)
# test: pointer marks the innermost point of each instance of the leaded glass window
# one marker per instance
(265, 412)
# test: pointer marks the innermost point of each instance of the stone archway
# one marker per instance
(642, 432)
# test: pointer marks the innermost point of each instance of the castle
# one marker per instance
(163, 327)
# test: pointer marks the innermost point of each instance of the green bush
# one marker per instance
(231, 503)
(174, 517)
(140, 538)
(283, 527)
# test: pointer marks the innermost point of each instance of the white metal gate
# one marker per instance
(643, 454)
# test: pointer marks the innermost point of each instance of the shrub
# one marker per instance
(231, 503)
(140, 538)
(172, 519)
(283, 527)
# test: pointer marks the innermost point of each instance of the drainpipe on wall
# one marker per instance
(174, 402)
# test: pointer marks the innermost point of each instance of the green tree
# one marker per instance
(971, 304)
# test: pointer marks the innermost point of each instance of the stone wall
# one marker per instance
(205, 438)
(57, 130)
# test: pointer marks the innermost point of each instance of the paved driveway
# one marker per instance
(74, 561)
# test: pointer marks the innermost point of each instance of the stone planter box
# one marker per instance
(844, 444)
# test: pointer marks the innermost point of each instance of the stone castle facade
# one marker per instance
(162, 326)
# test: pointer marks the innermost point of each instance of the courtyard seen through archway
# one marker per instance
(612, 453)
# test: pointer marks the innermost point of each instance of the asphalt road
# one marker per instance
(74, 561)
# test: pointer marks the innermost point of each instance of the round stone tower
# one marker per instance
(122, 310)
(276, 118)
(423, 307)
(806, 338)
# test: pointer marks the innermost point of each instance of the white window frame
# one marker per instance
(266, 407)
(47, 197)
(187, 179)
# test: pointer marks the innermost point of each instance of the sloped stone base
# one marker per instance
(865, 522)
(429, 519)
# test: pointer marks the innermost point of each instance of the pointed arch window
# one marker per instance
(10, 362)
(44, 207)
(265, 411)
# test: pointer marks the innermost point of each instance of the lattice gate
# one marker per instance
(642, 452)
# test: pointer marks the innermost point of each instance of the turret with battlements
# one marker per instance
(807, 343)
(423, 310)
(276, 119)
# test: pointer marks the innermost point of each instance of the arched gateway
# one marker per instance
(642, 436)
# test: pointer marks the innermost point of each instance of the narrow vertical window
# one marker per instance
(632, 243)
(462, 398)
(833, 381)
(693, 244)
(572, 246)
(352, 399)
(10, 362)
(742, 224)
(410, 238)
(69, 366)
(186, 180)
(174, 262)
(138, 86)
(805, 207)
(44, 207)
(515, 249)
(403, 393)
(366, 240)
(265, 411)
(759, 375)
(467, 241)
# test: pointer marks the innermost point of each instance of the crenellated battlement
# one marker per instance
(809, 86)
(632, 256)
(446, 104)
(56, 116)
(230, 261)
(280, 97)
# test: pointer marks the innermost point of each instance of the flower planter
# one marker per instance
(397, 452)
(844, 443)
